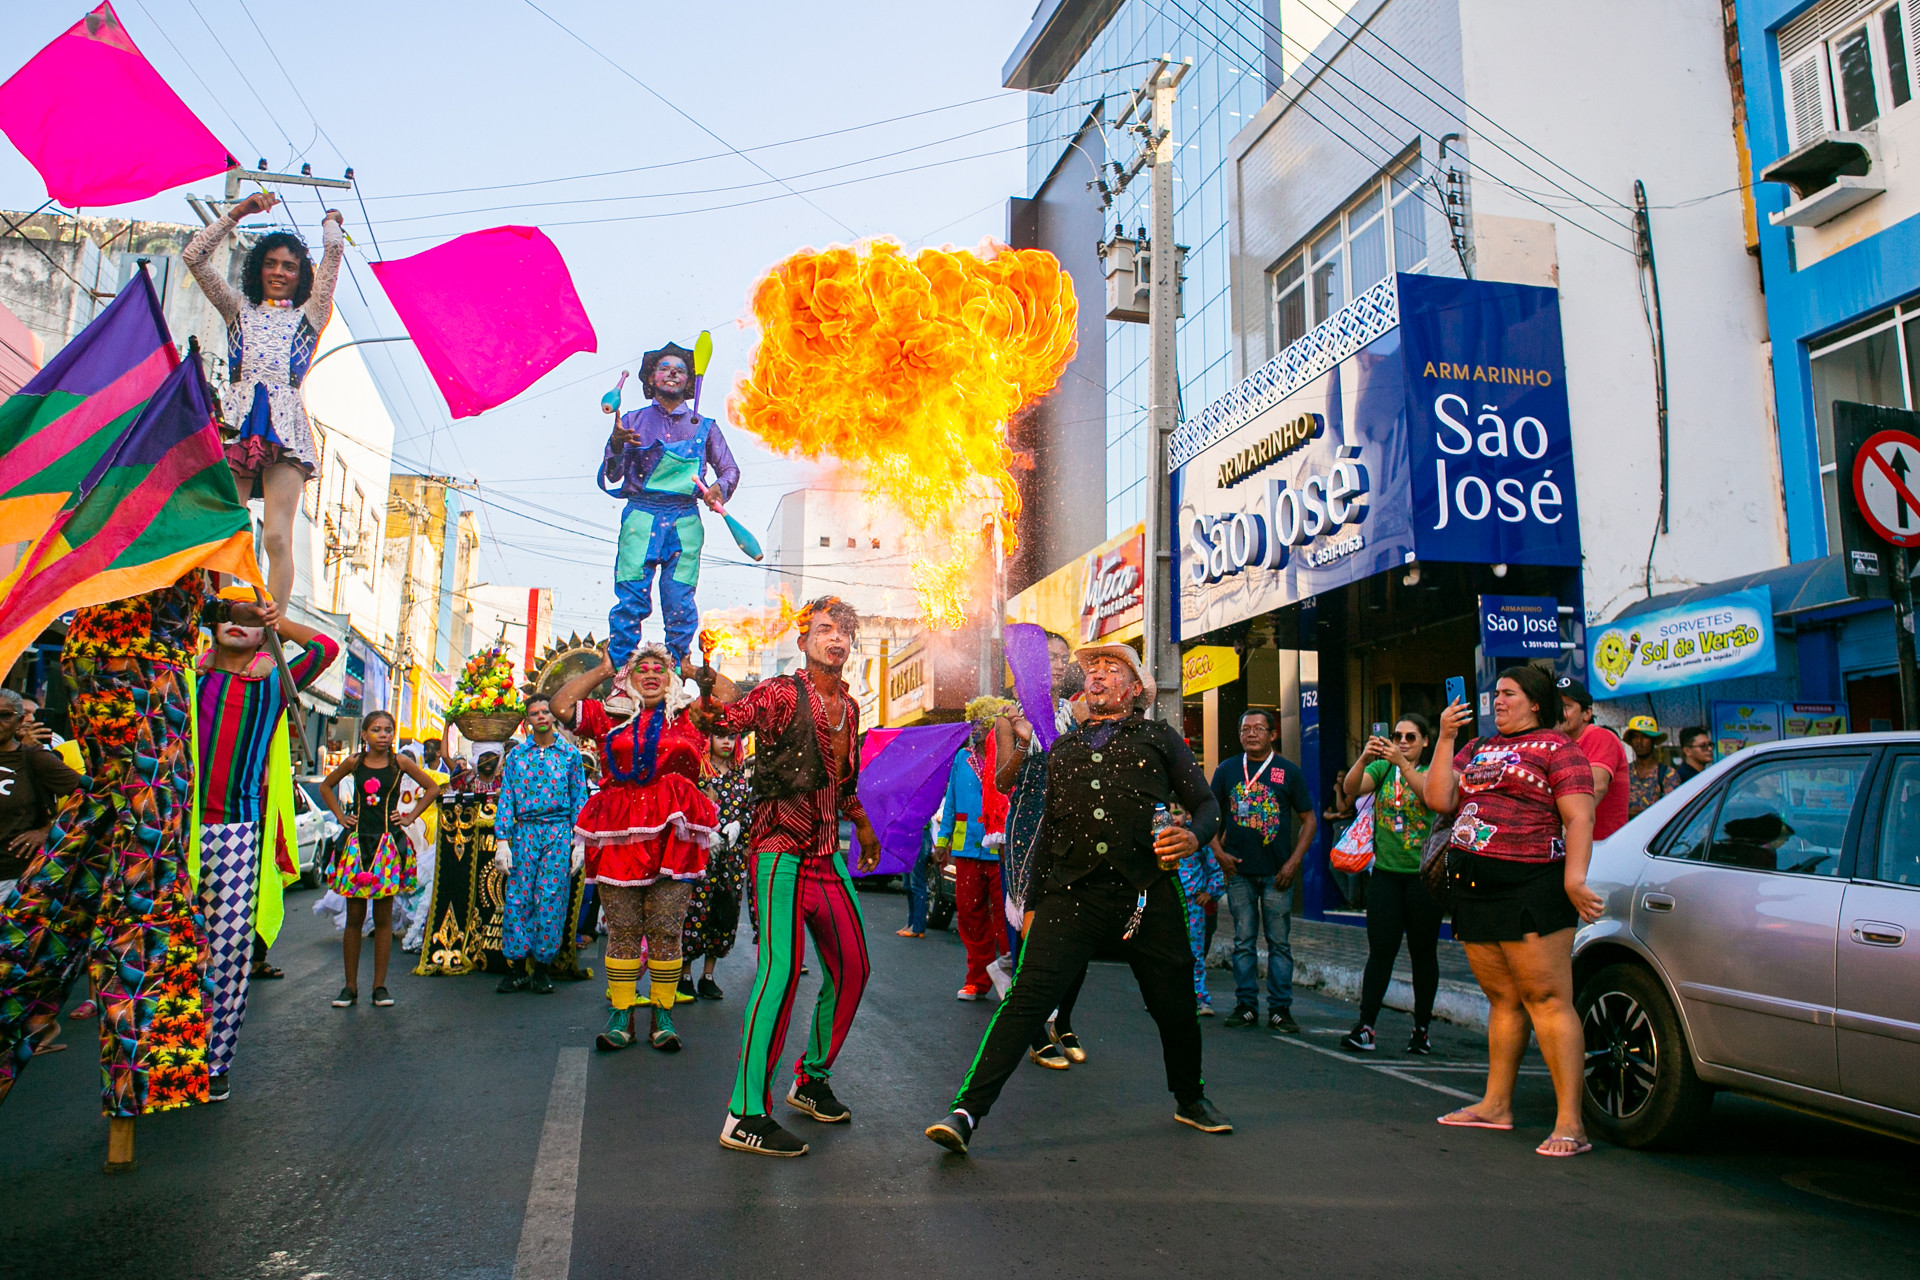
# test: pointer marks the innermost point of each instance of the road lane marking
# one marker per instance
(546, 1233)
(1395, 1072)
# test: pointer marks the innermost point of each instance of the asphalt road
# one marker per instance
(404, 1143)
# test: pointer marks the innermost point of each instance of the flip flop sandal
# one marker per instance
(266, 971)
(1581, 1147)
(1465, 1119)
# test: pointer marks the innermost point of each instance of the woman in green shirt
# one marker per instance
(1398, 904)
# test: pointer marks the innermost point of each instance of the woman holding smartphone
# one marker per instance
(1398, 904)
(1523, 814)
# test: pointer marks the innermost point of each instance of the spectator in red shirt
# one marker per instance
(1522, 802)
(1606, 756)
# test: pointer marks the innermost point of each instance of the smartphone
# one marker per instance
(1456, 689)
(1379, 728)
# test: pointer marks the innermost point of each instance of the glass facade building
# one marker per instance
(1228, 41)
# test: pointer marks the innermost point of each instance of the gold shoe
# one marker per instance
(1069, 1044)
(1052, 1057)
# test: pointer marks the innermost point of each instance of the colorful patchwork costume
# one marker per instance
(113, 889)
(1200, 873)
(660, 476)
(238, 715)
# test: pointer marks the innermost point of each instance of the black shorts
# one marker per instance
(1496, 900)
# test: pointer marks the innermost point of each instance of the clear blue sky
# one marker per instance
(423, 98)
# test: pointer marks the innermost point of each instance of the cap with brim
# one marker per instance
(1123, 652)
(1571, 688)
(1647, 726)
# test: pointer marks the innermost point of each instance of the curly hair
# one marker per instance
(834, 607)
(250, 282)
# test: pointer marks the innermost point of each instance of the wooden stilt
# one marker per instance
(120, 1145)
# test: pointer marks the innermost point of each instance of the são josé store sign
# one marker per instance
(1445, 438)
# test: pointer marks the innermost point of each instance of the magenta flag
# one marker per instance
(97, 121)
(491, 312)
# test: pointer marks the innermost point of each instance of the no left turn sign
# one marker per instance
(1886, 482)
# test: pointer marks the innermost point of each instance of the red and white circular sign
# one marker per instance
(1886, 482)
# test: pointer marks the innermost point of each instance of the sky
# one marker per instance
(441, 108)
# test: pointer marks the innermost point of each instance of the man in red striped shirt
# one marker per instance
(806, 770)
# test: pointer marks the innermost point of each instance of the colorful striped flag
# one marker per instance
(112, 480)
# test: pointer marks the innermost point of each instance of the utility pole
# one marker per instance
(1149, 114)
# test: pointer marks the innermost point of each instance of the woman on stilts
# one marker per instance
(274, 322)
(377, 864)
(647, 830)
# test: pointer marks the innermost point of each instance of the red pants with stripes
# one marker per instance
(798, 893)
(979, 914)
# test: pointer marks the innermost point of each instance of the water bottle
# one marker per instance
(1162, 819)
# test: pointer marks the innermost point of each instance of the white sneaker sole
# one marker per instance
(805, 1108)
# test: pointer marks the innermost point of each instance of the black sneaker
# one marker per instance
(708, 989)
(1282, 1020)
(686, 986)
(1359, 1040)
(517, 980)
(347, 998)
(1242, 1016)
(381, 1000)
(953, 1133)
(1202, 1116)
(219, 1089)
(1418, 1045)
(542, 983)
(815, 1098)
(761, 1135)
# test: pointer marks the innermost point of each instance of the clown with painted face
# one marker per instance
(657, 459)
(646, 832)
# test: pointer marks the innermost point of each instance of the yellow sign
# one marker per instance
(1208, 666)
(1092, 598)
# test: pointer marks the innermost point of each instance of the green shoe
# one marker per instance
(664, 1037)
(619, 1032)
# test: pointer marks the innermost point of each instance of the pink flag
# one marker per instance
(99, 123)
(491, 313)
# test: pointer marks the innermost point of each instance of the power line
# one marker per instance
(291, 83)
(231, 118)
(244, 78)
(681, 113)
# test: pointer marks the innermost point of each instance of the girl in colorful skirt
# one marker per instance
(646, 831)
(378, 861)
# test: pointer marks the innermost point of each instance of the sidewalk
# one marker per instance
(1331, 958)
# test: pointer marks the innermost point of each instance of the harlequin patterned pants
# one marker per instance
(110, 891)
(229, 883)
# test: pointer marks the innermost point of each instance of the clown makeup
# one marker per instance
(651, 679)
(670, 376)
(239, 639)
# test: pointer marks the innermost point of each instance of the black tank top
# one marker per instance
(373, 795)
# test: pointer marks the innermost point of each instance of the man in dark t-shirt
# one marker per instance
(32, 780)
(1260, 849)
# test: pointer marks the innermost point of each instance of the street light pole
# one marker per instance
(1160, 600)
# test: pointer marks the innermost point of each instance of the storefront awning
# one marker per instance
(1797, 589)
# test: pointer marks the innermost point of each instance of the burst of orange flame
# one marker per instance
(746, 632)
(909, 368)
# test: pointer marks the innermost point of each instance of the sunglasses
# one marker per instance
(1406, 737)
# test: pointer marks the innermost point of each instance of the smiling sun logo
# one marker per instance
(1612, 656)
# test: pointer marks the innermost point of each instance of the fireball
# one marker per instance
(908, 368)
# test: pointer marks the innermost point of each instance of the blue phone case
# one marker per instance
(1456, 690)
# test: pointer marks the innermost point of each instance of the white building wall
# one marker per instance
(864, 559)
(1638, 89)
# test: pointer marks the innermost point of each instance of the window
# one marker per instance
(1383, 230)
(1899, 858)
(1689, 840)
(876, 543)
(826, 542)
(1876, 361)
(1789, 815)
(1845, 64)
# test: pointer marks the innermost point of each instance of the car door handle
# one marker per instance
(1877, 933)
(1657, 902)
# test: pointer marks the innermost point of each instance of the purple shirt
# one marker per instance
(630, 468)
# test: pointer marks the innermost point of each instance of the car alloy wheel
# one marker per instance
(1622, 1055)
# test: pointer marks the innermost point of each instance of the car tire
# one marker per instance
(939, 910)
(1639, 1088)
(310, 878)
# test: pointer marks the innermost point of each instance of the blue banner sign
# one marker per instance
(1723, 638)
(1520, 626)
(1444, 438)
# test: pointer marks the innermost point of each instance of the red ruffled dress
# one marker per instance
(636, 833)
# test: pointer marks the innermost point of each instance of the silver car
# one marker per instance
(1762, 934)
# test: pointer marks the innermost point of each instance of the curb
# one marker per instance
(1457, 1002)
